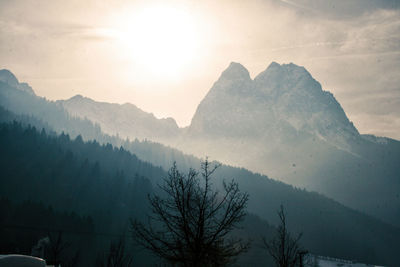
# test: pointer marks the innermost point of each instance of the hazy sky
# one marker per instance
(163, 56)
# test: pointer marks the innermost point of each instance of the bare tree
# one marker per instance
(57, 247)
(284, 248)
(116, 256)
(72, 260)
(193, 220)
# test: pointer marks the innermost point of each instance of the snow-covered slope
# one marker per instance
(321, 261)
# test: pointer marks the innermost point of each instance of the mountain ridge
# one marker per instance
(246, 130)
(9, 78)
(126, 120)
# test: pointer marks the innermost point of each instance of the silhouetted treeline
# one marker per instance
(41, 113)
(106, 183)
(70, 174)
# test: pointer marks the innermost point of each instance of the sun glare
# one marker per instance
(161, 40)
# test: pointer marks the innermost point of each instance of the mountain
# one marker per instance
(126, 120)
(41, 112)
(9, 78)
(282, 123)
(283, 103)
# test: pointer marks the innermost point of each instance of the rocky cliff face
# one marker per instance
(281, 97)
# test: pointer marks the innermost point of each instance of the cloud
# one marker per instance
(357, 58)
(333, 9)
(352, 47)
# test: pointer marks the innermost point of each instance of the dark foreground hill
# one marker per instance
(110, 185)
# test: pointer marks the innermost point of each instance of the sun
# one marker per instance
(160, 40)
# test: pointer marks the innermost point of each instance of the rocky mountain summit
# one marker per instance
(283, 97)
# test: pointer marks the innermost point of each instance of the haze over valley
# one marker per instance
(208, 134)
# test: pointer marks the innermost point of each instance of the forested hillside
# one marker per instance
(110, 185)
